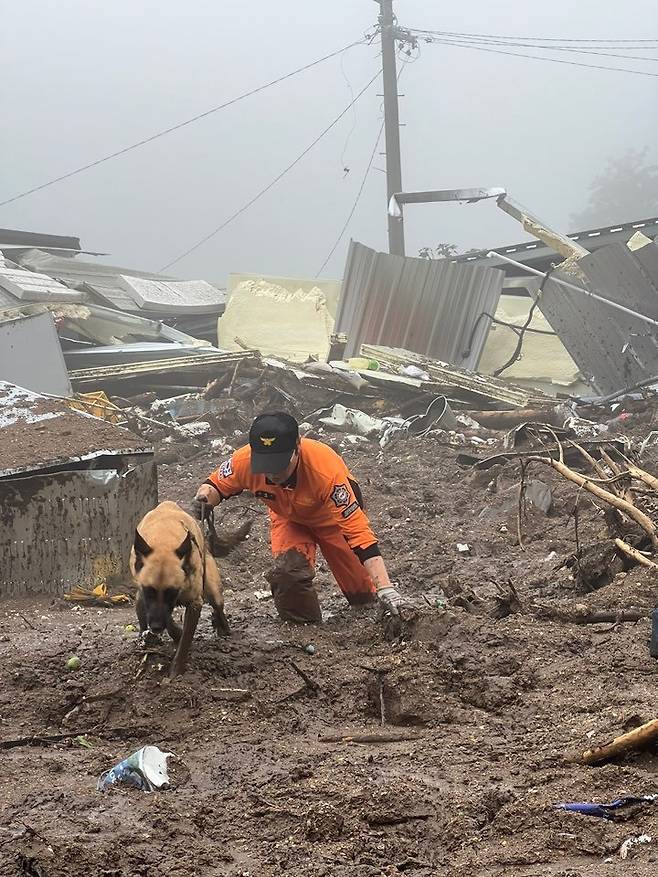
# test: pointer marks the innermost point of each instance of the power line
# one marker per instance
(463, 45)
(514, 44)
(274, 181)
(177, 127)
(540, 39)
(361, 187)
(356, 201)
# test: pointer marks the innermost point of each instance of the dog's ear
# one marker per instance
(185, 548)
(141, 545)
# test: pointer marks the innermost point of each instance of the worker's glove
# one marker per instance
(391, 599)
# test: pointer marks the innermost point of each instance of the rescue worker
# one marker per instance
(313, 500)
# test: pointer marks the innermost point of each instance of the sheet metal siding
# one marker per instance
(31, 355)
(426, 306)
(69, 529)
(613, 350)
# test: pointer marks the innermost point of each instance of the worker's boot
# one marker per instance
(291, 580)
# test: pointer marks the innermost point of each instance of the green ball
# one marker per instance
(73, 663)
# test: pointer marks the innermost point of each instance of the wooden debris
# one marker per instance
(311, 684)
(639, 738)
(622, 505)
(636, 555)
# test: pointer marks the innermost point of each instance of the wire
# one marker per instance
(177, 127)
(540, 39)
(351, 131)
(578, 51)
(540, 58)
(274, 181)
(363, 183)
(356, 201)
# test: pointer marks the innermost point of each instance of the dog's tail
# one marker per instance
(220, 546)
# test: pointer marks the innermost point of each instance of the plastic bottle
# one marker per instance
(653, 646)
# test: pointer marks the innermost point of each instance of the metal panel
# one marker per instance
(20, 337)
(174, 296)
(534, 252)
(612, 349)
(31, 286)
(427, 306)
(72, 528)
(128, 289)
(14, 238)
(37, 433)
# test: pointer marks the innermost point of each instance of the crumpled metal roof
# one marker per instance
(614, 350)
(20, 285)
(128, 289)
(433, 307)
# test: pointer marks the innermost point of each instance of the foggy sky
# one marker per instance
(81, 79)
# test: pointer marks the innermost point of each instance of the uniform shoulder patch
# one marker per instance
(226, 469)
(340, 496)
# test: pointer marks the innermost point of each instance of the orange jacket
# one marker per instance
(320, 494)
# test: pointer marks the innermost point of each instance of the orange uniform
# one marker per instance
(319, 505)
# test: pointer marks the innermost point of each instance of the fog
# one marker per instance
(83, 79)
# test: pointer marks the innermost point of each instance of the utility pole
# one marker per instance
(391, 123)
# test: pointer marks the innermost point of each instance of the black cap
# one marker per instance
(273, 440)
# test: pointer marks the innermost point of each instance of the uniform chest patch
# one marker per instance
(226, 469)
(340, 496)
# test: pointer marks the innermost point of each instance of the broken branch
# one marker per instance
(310, 683)
(639, 738)
(636, 555)
(621, 505)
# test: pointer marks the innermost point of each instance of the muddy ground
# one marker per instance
(494, 706)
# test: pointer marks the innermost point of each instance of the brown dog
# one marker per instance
(171, 566)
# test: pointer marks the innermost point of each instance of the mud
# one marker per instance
(492, 708)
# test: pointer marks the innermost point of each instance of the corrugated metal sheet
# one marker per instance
(427, 306)
(71, 528)
(612, 349)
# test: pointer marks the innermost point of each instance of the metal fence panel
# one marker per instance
(71, 528)
(432, 307)
(612, 349)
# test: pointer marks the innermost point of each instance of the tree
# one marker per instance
(443, 251)
(627, 189)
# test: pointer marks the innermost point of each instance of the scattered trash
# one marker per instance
(606, 811)
(463, 548)
(145, 769)
(73, 663)
(310, 649)
(413, 371)
(627, 845)
(349, 420)
(264, 594)
(130, 628)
